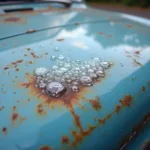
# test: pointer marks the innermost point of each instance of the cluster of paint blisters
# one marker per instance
(69, 75)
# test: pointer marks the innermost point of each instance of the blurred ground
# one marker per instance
(137, 11)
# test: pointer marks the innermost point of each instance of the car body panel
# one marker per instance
(122, 96)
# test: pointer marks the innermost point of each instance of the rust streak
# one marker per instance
(137, 63)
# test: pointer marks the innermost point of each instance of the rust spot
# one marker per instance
(30, 62)
(25, 54)
(117, 108)
(65, 140)
(1, 108)
(30, 31)
(149, 83)
(17, 69)
(135, 131)
(33, 55)
(12, 19)
(137, 52)
(143, 88)
(95, 103)
(59, 40)
(6, 68)
(28, 49)
(102, 121)
(126, 101)
(129, 26)
(14, 116)
(40, 110)
(4, 130)
(45, 147)
(101, 33)
(136, 63)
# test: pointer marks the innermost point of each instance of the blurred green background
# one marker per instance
(141, 3)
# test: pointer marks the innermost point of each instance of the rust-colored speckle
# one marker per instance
(17, 69)
(95, 103)
(117, 108)
(65, 140)
(30, 31)
(143, 88)
(40, 110)
(14, 116)
(28, 49)
(6, 68)
(136, 63)
(12, 19)
(59, 40)
(1, 108)
(149, 83)
(127, 100)
(4, 130)
(25, 55)
(33, 55)
(45, 147)
(129, 26)
(102, 121)
(101, 33)
(137, 52)
(30, 62)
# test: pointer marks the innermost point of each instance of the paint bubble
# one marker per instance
(55, 89)
(86, 81)
(40, 71)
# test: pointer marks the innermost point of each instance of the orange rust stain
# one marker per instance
(45, 147)
(127, 100)
(33, 55)
(60, 40)
(40, 110)
(13, 19)
(15, 117)
(14, 64)
(95, 103)
(143, 88)
(102, 121)
(117, 109)
(129, 26)
(65, 140)
(4, 130)
(136, 63)
(68, 99)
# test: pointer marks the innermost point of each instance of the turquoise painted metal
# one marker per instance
(108, 115)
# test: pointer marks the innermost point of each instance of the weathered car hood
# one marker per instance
(100, 113)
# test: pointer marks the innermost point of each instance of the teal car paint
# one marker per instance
(111, 114)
